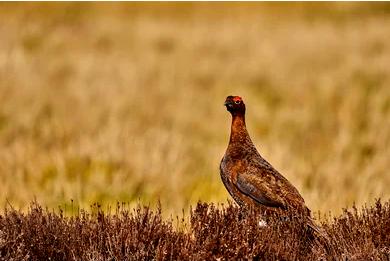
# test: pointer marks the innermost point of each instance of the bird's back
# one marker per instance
(252, 181)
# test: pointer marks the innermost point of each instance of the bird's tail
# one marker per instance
(319, 235)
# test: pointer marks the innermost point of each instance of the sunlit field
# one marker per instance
(124, 102)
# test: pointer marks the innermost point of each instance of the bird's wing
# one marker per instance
(260, 191)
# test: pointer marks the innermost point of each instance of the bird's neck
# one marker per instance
(239, 134)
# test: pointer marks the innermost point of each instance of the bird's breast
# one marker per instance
(232, 168)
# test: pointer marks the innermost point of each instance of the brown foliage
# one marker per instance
(223, 233)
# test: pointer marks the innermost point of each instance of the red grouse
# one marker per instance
(248, 177)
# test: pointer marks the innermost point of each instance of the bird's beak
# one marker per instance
(228, 104)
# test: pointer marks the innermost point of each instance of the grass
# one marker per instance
(123, 102)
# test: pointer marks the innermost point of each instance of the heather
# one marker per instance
(209, 232)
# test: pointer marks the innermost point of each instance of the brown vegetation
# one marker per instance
(224, 233)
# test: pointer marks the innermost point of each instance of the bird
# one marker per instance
(248, 177)
(251, 180)
(255, 184)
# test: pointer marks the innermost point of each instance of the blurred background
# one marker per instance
(107, 102)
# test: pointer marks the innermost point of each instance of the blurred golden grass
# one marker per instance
(123, 102)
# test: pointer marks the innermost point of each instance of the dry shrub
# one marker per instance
(215, 233)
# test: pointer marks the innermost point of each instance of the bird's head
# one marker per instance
(235, 105)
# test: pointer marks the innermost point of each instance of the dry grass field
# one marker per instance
(123, 102)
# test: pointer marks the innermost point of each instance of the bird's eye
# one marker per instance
(237, 102)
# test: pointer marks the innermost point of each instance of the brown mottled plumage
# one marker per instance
(248, 177)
